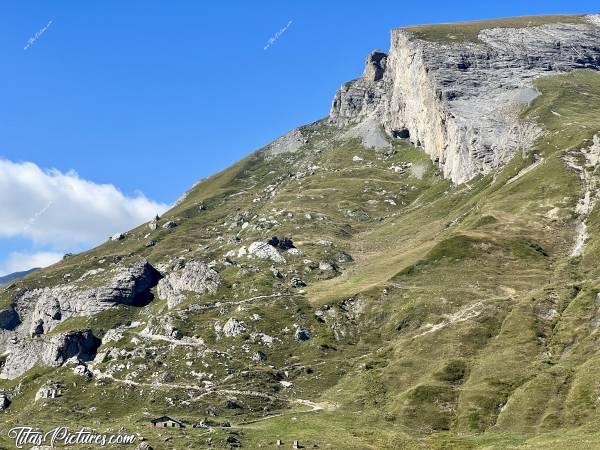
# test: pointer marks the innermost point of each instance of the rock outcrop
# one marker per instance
(51, 351)
(194, 276)
(26, 322)
(262, 250)
(460, 100)
(41, 310)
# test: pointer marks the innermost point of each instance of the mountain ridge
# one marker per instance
(336, 287)
(5, 279)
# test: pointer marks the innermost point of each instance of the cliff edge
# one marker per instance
(456, 90)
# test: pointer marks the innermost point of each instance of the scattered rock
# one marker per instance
(343, 257)
(259, 356)
(144, 446)
(169, 225)
(194, 276)
(327, 266)
(297, 283)
(233, 327)
(276, 272)
(283, 244)
(49, 390)
(231, 404)
(82, 370)
(302, 334)
(262, 250)
(4, 401)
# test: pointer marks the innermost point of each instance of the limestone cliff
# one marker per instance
(459, 99)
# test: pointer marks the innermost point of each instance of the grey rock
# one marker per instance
(276, 272)
(4, 401)
(233, 327)
(23, 338)
(53, 305)
(49, 390)
(375, 66)
(343, 257)
(82, 370)
(194, 276)
(144, 446)
(327, 266)
(288, 143)
(460, 100)
(169, 225)
(297, 282)
(232, 404)
(302, 334)
(259, 356)
(262, 250)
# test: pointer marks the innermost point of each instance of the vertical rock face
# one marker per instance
(365, 97)
(26, 323)
(460, 100)
(51, 351)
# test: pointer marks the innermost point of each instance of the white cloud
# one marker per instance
(18, 262)
(59, 210)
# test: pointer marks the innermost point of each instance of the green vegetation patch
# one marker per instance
(469, 31)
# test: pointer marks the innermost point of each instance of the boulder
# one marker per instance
(4, 401)
(297, 283)
(49, 390)
(262, 250)
(327, 266)
(302, 334)
(82, 370)
(233, 327)
(194, 276)
(259, 356)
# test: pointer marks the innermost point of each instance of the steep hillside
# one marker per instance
(15, 276)
(338, 287)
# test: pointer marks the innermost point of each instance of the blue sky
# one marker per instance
(151, 96)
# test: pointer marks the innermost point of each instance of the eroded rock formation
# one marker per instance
(460, 100)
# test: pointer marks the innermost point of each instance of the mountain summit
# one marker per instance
(417, 270)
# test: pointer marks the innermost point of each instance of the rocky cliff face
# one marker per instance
(460, 100)
(25, 323)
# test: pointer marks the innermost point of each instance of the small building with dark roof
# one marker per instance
(167, 422)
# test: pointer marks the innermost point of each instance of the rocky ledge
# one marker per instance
(26, 323)
(459, 100)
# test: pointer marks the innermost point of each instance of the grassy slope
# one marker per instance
(469, 31)
(454, 347)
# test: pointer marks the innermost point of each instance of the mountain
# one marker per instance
(417, 270)
(15, 276)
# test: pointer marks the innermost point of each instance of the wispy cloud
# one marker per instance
(277, 35)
